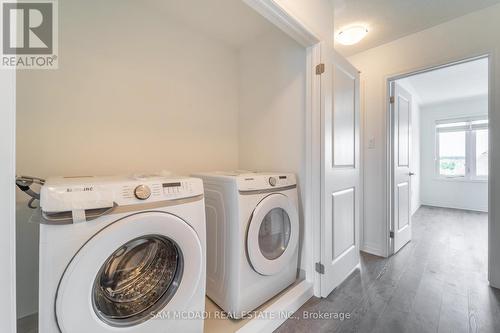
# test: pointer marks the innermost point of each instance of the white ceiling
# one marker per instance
(389, 20)
(455, 82)
(230, 21)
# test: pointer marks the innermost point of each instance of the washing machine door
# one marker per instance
(273, 234)
(138, 269)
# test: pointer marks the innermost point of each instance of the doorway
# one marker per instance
(438, 141)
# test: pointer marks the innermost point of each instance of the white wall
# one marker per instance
(272, 104)
(472, 195)
(473, 34)
(272, 107)
(121, 102)
(415, 146)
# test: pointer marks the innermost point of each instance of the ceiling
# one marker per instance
(465, 80)
(388, 20)
(230, 21)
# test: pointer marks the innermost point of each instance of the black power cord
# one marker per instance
(24, 183)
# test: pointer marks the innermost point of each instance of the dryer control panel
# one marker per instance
(265, 181)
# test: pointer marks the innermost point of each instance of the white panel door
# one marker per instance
(339, 171)
(401, 144)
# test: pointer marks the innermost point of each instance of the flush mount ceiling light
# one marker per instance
(351, 35)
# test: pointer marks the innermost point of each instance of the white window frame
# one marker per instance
(470, 147)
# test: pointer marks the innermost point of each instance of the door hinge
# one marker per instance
(391, 234)
(320, 268)
(391, 99)
(320, 69)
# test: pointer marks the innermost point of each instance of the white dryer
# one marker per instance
(252, 237)
(122, 255)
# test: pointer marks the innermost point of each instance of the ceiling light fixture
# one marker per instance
(351, 35)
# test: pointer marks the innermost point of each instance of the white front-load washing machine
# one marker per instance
(252, 237)
(122, 254)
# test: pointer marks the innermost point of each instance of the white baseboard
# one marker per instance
(444, 205)
(278, 312)
(357, 267)
(416, 209)
(373, 250)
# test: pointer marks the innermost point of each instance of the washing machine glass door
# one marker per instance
(142, 275)
(128, 274)
(273, 234)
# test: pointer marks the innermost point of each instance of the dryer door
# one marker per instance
(273, 234)
(141, 266)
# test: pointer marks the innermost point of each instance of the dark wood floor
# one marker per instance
(436, 283)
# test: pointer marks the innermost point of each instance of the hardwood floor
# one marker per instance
(436, 283)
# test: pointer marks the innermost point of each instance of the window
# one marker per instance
(462, 149)
(452, 154)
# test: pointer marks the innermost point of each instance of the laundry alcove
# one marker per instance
(181, 86)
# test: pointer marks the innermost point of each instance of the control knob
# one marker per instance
(142, 192)
(272, 181)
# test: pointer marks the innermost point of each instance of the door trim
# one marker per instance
(283, 19)
(8, 318)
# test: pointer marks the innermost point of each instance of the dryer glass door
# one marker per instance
(273, 234)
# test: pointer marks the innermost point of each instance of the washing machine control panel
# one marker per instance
(257, 182)
(167, 189)
(65, 194)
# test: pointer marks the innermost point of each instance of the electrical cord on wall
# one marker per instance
(24, 183)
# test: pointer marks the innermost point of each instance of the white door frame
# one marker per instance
(284, 19)
(8, 200)
(389, 250)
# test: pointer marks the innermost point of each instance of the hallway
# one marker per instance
(436, 283)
